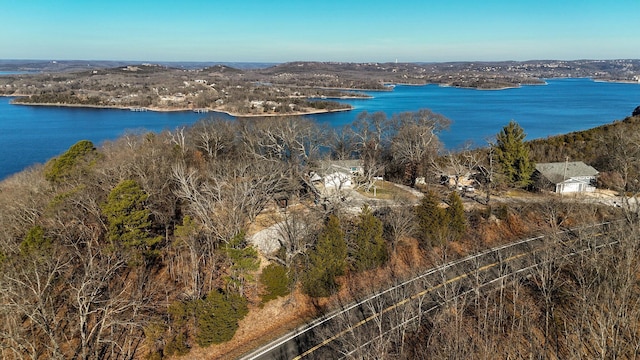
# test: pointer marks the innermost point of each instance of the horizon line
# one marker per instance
(53, 60)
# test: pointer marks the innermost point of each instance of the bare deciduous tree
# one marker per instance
(295, 233)
(342, 143)
(370, 134)
(30, 299)
(417, 143)
(623, 153)
(462, 163)
(214, 137)
(399, 222)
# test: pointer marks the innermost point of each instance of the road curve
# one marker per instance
(326, 336)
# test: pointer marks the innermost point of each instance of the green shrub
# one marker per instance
(276, 282)
(217, 317)
(501, 212)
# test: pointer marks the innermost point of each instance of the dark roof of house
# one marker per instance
(561, 171)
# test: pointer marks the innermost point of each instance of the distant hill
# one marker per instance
(74, 65)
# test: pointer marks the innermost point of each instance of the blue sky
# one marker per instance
(346, 30)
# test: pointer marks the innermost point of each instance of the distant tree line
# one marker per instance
(68, 98)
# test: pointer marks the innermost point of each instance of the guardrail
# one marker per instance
(439, 269)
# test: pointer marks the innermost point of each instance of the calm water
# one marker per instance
(562, 106)
(30, 135)
(15, 72)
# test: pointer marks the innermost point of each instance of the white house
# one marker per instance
(566, 177)
(339, 174)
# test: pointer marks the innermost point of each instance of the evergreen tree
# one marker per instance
(326, 261)
(370, 247)
(63, 166)
(513, 156)
(244, 261)
(455, 216)
(217, 317)
(432, 221)
(128, 219)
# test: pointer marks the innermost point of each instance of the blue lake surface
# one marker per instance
(16, 72)
(33, 134)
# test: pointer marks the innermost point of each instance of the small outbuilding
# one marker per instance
(565, 177)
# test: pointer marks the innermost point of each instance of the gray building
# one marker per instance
(565, 177)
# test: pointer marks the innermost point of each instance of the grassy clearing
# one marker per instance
(384, 190)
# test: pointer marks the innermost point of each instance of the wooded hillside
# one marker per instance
(613, 149)
(139, 248)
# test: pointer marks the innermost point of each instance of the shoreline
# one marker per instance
(157, 109)
(481, 89)
(617, 81)
(338, 97)
(352, 89)
(445, 85)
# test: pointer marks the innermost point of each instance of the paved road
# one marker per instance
(332, 336)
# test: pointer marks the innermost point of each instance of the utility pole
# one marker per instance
(564, 176)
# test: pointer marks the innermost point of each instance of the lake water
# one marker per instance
(33, 134)
(16, 72)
